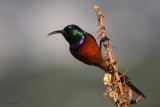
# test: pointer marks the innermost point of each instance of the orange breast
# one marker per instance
(89, 53)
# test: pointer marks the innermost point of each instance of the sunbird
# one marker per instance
(83, 46)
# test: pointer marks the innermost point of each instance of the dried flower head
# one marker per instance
(95, 8)
(98, 13)
(113, 95)
(107, 79)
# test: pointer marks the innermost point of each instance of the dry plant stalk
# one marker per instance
(117, 91)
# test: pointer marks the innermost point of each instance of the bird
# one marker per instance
(83, 47)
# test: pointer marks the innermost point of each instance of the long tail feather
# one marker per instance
(129, 84)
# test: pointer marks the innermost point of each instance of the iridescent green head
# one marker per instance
(73, 30)
(73, 34)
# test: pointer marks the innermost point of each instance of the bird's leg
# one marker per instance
(102, 40)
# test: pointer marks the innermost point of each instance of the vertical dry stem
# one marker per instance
(116, 91)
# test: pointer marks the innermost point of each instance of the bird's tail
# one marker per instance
(129, 84)
(104, 66)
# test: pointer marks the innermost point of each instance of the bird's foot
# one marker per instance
(102, 40)
(105, 38)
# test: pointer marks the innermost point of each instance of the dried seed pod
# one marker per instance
(113, 95)
(107, 79)
(95, 8)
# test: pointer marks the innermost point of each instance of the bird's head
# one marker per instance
(73, 34)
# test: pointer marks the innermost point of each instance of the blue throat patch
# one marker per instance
(78, 44)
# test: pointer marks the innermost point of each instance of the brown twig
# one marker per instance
(116, 89)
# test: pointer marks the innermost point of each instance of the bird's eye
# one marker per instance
(70, 30)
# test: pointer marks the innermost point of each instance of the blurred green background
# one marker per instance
(39, 71)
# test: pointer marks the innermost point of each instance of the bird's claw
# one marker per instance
(105, 38)
(102, 40)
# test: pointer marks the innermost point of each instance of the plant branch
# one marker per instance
(116, 89)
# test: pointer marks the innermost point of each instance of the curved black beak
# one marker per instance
(58, 31)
